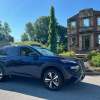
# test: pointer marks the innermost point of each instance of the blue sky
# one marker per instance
(19, 12)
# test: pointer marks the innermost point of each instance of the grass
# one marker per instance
(68, 54)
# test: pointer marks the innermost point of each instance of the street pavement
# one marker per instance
(29, 89)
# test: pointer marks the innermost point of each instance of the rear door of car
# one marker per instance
(12, 59)
(28, 60)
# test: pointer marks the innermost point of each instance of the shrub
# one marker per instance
(95, 61)
(60, 48)
(94, 58)
(68, 54)
(91, 54)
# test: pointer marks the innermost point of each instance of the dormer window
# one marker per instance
(86, 22)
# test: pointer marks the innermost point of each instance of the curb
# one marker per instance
(92, 73)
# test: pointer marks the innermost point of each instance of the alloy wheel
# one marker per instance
(1, 74)
(52, 80)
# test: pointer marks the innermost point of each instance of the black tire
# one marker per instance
(53, 79)
(1, 74)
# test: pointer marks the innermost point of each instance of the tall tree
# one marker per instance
(24, 37)
(1, 32)
(41, 28)
(5, 32)
(62, 34)
(6, 29)
(30, 30)
(0, 27)
(52, 39)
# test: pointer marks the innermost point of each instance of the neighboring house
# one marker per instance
(84, 30)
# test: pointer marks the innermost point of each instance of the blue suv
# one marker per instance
(38, 62)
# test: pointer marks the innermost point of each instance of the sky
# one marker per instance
(18, 12)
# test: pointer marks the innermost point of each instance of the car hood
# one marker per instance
(68, 59)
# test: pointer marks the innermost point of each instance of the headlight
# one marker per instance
(75, 67)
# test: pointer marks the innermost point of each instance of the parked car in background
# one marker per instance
(38, 62)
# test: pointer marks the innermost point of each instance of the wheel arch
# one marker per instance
(51, 67)
(2, 65)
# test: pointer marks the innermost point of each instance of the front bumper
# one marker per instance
(79, 78)
(76, 76)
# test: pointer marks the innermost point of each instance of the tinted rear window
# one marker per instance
(3, 52)
(10, 51)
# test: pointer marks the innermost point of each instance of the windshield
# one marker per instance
(44, 51)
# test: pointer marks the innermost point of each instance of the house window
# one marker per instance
(86, 22)
(98, 21)
(98, 39)
(2, 52)
(74, 41)
(73, 24)
(73, 27)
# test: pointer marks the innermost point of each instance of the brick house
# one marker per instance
(84, 30)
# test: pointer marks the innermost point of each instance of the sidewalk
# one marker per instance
(91, 70)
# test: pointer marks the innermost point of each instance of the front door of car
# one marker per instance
(28, 62)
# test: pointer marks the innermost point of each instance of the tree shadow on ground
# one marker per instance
(81, 91)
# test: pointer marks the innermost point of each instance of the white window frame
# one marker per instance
(99, 39)
(73, 24)
(98, 21)
(86, 22)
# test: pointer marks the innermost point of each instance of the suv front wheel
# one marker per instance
(53, 79)
(1, 74)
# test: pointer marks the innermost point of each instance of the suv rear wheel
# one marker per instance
(53, 79)
(1, 74)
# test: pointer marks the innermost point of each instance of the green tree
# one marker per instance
(1, 28)
(5, 32)
(41, 28)
(10, 38)
(62, 34)
(52, 39)
(30, 30)
(24, 37)
(1, 31)
(6, 29)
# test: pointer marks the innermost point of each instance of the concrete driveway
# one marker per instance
(28, 89)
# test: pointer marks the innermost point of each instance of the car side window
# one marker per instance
(2, 52)
(24, 51)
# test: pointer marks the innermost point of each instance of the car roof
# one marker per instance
(18, 46)
(8, 46)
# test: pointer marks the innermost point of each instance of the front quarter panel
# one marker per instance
(56, 65)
